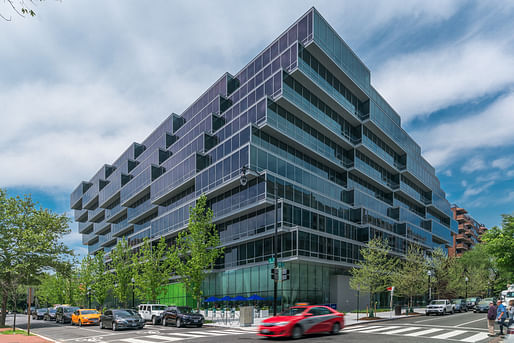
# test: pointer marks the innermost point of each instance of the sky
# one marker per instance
(84, 79)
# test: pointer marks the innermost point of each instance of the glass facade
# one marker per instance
(314, 133)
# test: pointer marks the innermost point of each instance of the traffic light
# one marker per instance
(285, 274)
(275, 274)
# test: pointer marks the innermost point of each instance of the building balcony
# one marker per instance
(137, 213)
(120, 228)
(372, 174)
(100, 228)
(88, 237)
(111, 215)
(81, 215)
(85, 227)
(93, 248)
(96, 214)
(76, 195)
(107, 239)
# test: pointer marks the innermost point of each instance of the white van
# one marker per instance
(151, 312)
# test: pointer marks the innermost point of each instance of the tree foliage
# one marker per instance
(196, 249)
(500, 244)
(123, 271)
(374, 272)
(152, 270)
(410, 279)
(29, 243)
(102, 279)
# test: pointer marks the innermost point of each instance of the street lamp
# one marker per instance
(89, 296)
(429, 273)
(244, 180)
(466, 279)
(132, 291)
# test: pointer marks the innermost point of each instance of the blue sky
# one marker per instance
(85, 78)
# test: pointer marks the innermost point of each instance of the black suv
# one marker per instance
(39, 313)
(181, 316)
(50, 314)
(63, 314)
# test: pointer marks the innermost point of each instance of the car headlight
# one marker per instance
(121, 321)
(281, 323)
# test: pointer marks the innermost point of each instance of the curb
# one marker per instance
(35, 334)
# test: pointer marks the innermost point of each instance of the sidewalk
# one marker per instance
(21, 338)
(349, 319)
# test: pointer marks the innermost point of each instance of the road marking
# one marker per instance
(476, 320)
(475, 338)
(381, 329)
(422, 332)
(165, 338)
(234, 331)
(210, 333)
(186, 335)
(360, 328)
(427, 320)
(449, 334)
(401, 330)
(135, 340)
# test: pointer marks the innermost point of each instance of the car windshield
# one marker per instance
(472, 299)
(70, 309)
(292, 311)
(158, 308)
(437, 302)
(123, 313)
(184, 310)
(52, 310)
(456, 301)
(39, 310)
(484, 302)
(510, 294)
(89, 312)
(134, 312)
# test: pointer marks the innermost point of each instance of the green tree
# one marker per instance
(121, 257)
(374, 272)
(102, 279)
(196, 249)
(152, 269)
(500, 244)
(29, 243)
(410, 278)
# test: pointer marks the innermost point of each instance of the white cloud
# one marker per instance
(503, 162)
(490, 128)
(472, 165)
(448, 172)
(464, 183)
(475, 190)
(420, 83)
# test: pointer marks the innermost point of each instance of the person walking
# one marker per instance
(491, 316)
(510, 312)
(501, 316)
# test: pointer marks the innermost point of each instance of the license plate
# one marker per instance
(196, 320)
(265, 331)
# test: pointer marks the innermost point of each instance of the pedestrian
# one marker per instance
(510, 312)
(501, 316)
(491, 316)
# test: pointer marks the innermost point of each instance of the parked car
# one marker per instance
(299, 320)
(85, 317)
(39, 313)
(63, 314)
(151, 312)
(181, 316)
(50, 314)
(509, 338)
(460, 305)
(483, 306)
(472, 302)
(439, 307)
(121, 319)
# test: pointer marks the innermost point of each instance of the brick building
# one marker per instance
(469, 234)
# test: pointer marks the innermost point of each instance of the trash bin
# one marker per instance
(398, 310)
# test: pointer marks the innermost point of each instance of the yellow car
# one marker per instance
(85, 317)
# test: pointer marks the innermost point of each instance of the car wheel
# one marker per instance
(164, 322)
(114, 327)
(80, 322)
(444, 312)
(179, 323)
(154, 320)
(101, 325)
(427, 314)
(453, 312)
(335, 329)
(297, 332)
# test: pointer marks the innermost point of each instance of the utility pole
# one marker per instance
(28, 310)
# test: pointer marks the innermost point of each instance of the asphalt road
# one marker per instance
(461, 327)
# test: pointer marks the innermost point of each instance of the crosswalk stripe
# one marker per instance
(423, 332)
(238, 332)
(357, 328)
(135, 340)
(475, 338)
(210, 333)
(185, 335)
(165, 338)
(401, 330)
(449, 334)
(381, 329)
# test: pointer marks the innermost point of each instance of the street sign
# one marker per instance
(285, 274)
(271, 260)
(281, 265)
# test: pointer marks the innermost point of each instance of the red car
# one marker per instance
(299, 320)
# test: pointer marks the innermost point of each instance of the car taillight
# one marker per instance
(510, 331)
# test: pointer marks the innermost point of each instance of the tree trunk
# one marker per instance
(198, 304)
(4, 309)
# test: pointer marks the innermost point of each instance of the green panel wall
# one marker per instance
(175, 294)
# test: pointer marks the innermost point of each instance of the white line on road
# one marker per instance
(423, 332)
(360, 328)
(136, 340)
(186, 335)
(381, 329)
(427, 320)
(475, 338)
(401, 330)
(449, 334)
(476, 320)
(165, 338)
